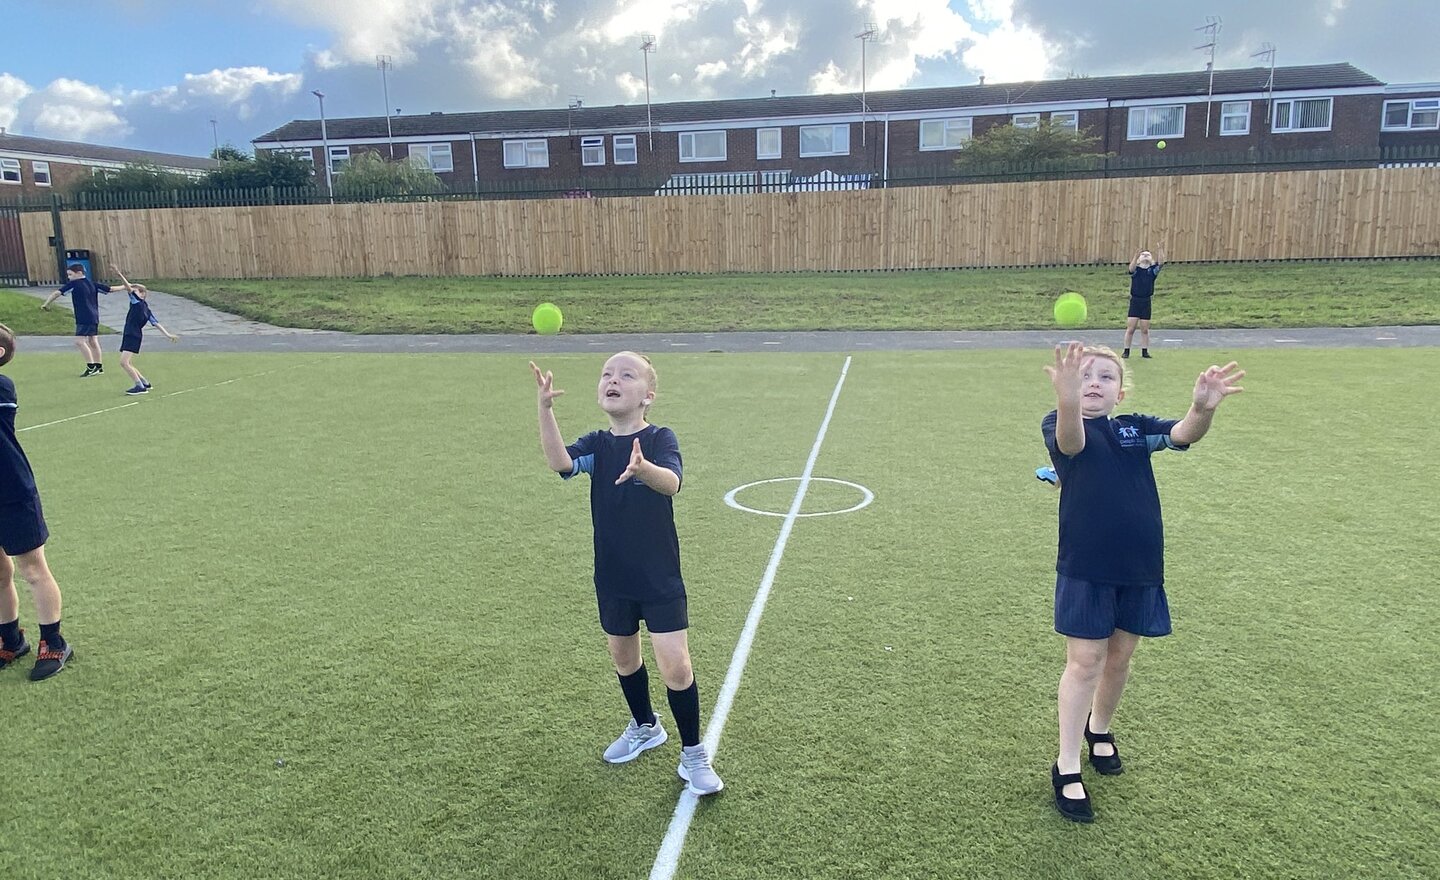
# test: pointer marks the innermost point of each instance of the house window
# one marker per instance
(304, 154)
(1420, 114)
(339, 158)
(1235, 117)
(624, 147)
(592, 151)
(825, 140)
(434, 157)
(1069, 120)
(702, 146)
(767, 143)
(945, 134)
(1153, 123)
(1025, 120)
(1302, 114)
(9, 170)
(527, 154)
(41, 173)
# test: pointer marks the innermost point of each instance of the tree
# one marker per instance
(229, 153)
(369, 176)
(1008, 144)
(136, 178)
(268, 169)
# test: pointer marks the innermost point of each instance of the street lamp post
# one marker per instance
(325, 147)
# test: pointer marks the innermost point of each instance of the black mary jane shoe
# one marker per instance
(1074, 809)
(1105, 765)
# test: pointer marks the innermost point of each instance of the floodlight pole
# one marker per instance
(325, 147)
(384, 62)
(647, 45)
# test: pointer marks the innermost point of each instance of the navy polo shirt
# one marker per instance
(1142, 281)
(1110, 526)
(138, 316)
(85, 299)
(637, 552)
(17, 480)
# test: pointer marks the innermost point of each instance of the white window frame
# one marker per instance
(688, 144)
(624, 142)
(954, 133)
(1025, 120)
(1066, 119)
(779, 143)
(592, 151)
(304, 154)
(1144, 116)
(1412, 107)
(103, 172)
(37, 169)
(423, 155)
(1289, 105)
(835, 136)
(534, 153)
(339, 158)
(9, 166)
(1228, 111)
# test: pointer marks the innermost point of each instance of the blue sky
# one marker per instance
(152, 73)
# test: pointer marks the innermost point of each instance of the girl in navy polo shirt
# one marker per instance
(1109, 587)
(635, 470)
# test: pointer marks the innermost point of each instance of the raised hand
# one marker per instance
(1065, 374)
(1216, 384)
(637, 461)
(546, 391)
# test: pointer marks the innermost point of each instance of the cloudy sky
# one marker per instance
(152, 74)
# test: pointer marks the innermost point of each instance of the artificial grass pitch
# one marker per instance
(359, 566)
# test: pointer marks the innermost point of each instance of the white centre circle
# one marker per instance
(866, 496)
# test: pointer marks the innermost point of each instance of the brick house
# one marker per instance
(897, 134)
(31, 166)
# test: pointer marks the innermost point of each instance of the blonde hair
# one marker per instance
(1106, 351)
(652, 381)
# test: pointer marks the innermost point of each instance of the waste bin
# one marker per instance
(82, 257)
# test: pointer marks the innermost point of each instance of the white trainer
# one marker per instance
(636, 739)
(695, 769)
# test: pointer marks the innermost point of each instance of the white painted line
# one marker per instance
(866, 496)
(1386, 338)
(771, 343)
(1287, 340)
(73, 418)
(669, 856)
(678, 344)
(1172, 340)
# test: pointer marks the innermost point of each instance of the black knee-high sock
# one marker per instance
(636, 688)
(685, 706)
(50, 635)
(10, 634)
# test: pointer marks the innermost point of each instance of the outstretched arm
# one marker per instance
(54, 295)
(661, 479)
(172, 337)
(550, 440)
(1160, 255)
(1065, 376)
(1211, 388)
(1134, 261)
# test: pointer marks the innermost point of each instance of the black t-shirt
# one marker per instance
(1110, 526)
(1142, 281)
(17, 480)
(637, 552)
(138, 316)
(86, 301)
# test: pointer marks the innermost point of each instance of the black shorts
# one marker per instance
(621, 616)
(87, 329)
(22, 526)
(131, 343)
(1140, 308)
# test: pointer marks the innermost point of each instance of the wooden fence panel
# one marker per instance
(1356, 212)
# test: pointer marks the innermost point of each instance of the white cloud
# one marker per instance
(1009, 54)
(71, 110)
(1332, 15)
(710, 69)
(13, 90)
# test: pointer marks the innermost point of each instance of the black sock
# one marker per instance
(50, 635)
(1125, 353)
(10, 634)
(636, 688)
(685, 706)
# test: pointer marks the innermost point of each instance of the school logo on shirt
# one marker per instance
(1129, 436)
